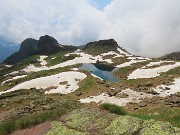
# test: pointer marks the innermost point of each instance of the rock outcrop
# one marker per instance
(101, 46)
(172, 56)
(98, 122)
(44, 46)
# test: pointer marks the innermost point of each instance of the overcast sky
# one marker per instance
(143, 27)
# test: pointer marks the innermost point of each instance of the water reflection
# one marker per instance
(103, 71)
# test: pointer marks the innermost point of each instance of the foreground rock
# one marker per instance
(97, 122)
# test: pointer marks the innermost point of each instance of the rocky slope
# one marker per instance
(44, 46)
(101, 46)
(51, 87)
(172, 56)
(99, 122)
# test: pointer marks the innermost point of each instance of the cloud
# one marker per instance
(143, 27)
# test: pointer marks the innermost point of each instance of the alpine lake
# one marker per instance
(103, 71)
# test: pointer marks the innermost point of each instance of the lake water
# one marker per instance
(103, 71)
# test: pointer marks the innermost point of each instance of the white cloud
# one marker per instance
(144, 27)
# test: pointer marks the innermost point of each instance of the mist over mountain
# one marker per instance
(7, 48)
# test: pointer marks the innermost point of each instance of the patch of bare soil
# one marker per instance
(40, 129)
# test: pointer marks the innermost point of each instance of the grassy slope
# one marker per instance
(88, 87)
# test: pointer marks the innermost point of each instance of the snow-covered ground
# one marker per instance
(150, 73)
(65, 82)
(96, 76)
(137, 58)
(42, 61)
(171, 89)
(133, 97)
(129, 63)
(123, 52)
(156, 63)
(14, 78)
(112, 53)
(84, 58)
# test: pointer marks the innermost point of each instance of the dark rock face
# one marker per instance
(28, 47)
(48, 45)
(44, 46)
(101, 46)
(172, 56)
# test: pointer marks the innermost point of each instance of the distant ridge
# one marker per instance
(44, 46)
(171, 56)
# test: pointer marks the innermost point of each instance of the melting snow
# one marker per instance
(133, 97)
(172, 89)
(71, 78)
(150, 73)
(14, 78)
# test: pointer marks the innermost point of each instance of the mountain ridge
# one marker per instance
(44, 46)
(171, 56)
(42, 88)
(48, 45)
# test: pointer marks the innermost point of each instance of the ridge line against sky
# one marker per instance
(144, 27)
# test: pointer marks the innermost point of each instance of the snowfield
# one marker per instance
(133, 97)
(42, 61)
(65, 82)
(14, 78)
(129, 63)
(155, 63)
(150, 73)
(165, 90)
(85, 58)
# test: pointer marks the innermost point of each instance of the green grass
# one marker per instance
(112, 108)
(86, 84)
(10, 125)
(166, 114)
(22, 64)
(4, 87)
(142, 116)
(123, 72)
(28, 121)
(59, 58)
(172, 71)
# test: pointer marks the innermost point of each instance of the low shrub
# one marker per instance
(113, 109)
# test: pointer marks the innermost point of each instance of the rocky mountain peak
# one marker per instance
(44, 46)
(28, 46)
(101, 46)
(47, 45)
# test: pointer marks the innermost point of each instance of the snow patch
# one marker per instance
(14, 78)
(42, 61)
(172, 89)
(129, 63)
(155, 63)
(133, 97)
(150, 73)
(65, 82)
(96, 76)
